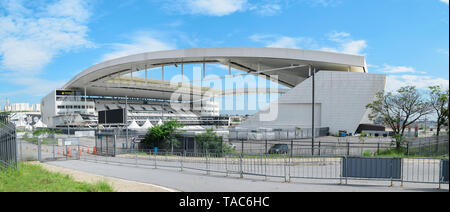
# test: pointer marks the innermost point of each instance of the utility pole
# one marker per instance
(313, 107)
(126, 119)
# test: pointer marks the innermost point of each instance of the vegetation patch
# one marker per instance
(34, 178)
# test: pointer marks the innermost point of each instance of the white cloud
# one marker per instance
(394, 82)
(71, 9)
(276, 41)
(345, 44)
(140, 43)
(442, 51)
(34, 86)
(444, 1)
(269, 9)
(341, 42)
(224, 7)
(207, 7)
(388, 69)
(31, 38)
(324, 3)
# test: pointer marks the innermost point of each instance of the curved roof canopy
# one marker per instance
(291, 66)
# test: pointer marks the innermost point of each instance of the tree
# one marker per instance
(439, 102)
(399, 110)
(162, 136)
(211, 142)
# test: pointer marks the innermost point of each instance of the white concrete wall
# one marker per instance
(48, 108)
(341, 99)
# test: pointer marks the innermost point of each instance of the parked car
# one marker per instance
(232, 145)
(279, 149)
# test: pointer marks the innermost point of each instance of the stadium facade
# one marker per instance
(338, 85)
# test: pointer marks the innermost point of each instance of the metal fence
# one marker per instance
(427, 146)
(8, 146)
(48, 147)
(276, 134)
(287, 167)
(305, 148)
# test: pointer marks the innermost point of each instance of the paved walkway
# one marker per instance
(197, 182)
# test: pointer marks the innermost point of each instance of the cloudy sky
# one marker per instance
(44, 43)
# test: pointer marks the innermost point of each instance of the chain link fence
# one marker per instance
(427, 146)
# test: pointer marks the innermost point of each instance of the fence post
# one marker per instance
(407, 148)
(392, 172)
(290, 159)
(241, 171)
(53, 149)
(285, 170)
(437, 146)
(207, 165)
(242, 146)
(346, 170)
(155, 154)
(136, 157)
(341, 171)
(440, 174)
(378, 148)
(39, 150)
(181, 160)
(20, 147)
(320, 152)
(115, 145)
(348, 148)
(265, 151)
(401, 168)
(265, 166)
(226, 166)
(15, 153)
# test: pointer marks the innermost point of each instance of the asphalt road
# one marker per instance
(193, 181)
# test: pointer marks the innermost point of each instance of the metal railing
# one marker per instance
(285, 166)
(8, 145)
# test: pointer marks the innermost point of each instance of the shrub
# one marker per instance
(211, 142)
(162, 136)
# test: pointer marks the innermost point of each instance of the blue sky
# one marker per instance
(44, 43)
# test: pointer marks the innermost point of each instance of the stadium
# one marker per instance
(121, 93)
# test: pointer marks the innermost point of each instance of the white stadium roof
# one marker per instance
(292, 64)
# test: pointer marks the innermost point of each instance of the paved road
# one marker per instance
(198, 182)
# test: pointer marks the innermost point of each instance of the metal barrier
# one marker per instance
(444, 171)
(8, 145)
(286, 167)
(372, 168)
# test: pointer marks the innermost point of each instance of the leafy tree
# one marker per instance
(399, 110)
(162, 136)
(211, 142)
(439, 102)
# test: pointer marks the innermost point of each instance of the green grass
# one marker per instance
(34, 178)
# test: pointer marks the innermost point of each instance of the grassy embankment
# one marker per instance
(34, 178)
